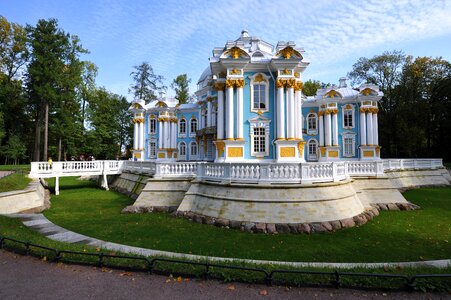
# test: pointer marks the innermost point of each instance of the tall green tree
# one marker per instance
(311, 86)
(181, 86)
(385, 71)
(15, 150)
(109, 125)
(146, 84)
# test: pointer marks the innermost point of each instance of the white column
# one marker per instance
(298, 117)
(369, 128)
(321, 130)
(173, 135)
(209, 113)
(229, 113)
(166, 135)
(375, 130)
(362, 128)
(239, 113)
(141, 135)
(220, 119)
(280, 113)
(290, 113)
(160, 134)
(335, 129)
(135, 136)
(328, 130)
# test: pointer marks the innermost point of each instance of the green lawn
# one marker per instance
(14, 182)
(393, 236)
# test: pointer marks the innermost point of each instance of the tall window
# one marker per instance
(311, 123)
(153, 126)
(193, 150)
(348, 144)
(312, 150)
(259, 140)
(259, 96)
(348, 120)
(182, 126)
(193, 126)
(182, 149)
(152, 149)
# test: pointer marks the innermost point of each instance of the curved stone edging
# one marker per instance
(274, 228)
(62, 236)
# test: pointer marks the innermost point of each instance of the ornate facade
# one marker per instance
(250, 108)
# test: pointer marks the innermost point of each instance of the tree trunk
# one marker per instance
(46, 131)
(37, 142)
(59, 149)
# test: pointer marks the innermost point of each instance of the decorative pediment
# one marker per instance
(368, 92)
(289, 53)
(235, 53)
(332, 94)
(161, 104)
(259, 120)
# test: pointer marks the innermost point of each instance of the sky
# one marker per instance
(178, 37)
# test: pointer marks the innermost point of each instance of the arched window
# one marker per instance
(193, 126)
(259, 92)
(312, 121)
(152, 125)
(193, 150)
(312, 150)
(348, 116)
(182, 126)
(182, 149)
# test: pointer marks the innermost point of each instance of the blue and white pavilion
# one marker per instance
(250, 108)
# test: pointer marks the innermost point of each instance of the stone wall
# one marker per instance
(129, 184)
(35, 198)
(419, 178)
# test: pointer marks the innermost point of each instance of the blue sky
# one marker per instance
(177, 37)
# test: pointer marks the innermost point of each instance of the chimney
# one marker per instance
(342, 82)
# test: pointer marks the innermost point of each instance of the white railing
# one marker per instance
(412, 164)
(236, 172)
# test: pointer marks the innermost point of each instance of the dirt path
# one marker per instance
(24, 277)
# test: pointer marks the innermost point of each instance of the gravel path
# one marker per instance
(23, 277)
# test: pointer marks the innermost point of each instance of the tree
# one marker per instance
(146, 83)
(15, 149)
(311, 86)
(385, 71)
(180, 85)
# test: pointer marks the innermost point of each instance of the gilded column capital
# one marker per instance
(219, 86)
(299, 85)
(230, 83)
(291, 83)
(280, 83)
(239, 83)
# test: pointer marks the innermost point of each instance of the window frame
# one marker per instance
(182, 156)
(180, 133)
(153, 120)
(257, 123)
(315, 130)
(348, 108)
(191, 155)
(310, 156)
(352, 136)
(259, 79)
(191, 132)
(153, 141)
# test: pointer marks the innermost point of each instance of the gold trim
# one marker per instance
(287, 152)
(235, 152)
(332, 153)
(368, 153)
(301, 145)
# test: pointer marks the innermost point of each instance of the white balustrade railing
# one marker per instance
(236, 172)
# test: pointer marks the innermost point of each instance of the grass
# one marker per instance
(23, 168)
(14, 182)
(393, 236)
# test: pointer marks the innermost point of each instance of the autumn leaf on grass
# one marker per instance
(179, 279)
(125, 274)
(44, 258)
(263, 293)
(97, 249)
(231, 287)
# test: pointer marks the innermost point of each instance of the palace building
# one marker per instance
(250, 108)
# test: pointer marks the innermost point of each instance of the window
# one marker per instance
(193, 126)
(259, 136)
(349, 144)
(312, 150)
(182, 126)
(259, 140)
(182, 149)
(311, 123)
(193, 150)
(259, 96)
(259, 92)
(152, 125)
(152, 149)
(348, 116)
